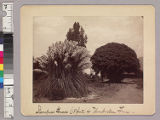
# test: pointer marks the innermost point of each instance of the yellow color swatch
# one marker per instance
(1, 67)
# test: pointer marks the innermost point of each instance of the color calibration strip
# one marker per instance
(1, 60)
(8, 82)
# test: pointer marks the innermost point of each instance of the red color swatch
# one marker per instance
(1, 60)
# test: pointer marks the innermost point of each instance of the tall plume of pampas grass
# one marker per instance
(62, 70)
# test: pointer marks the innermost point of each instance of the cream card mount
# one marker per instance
(87, 60)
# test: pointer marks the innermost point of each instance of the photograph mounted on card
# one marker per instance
(87, 60)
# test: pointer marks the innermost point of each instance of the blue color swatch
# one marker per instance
(1, 85)
(1, 79)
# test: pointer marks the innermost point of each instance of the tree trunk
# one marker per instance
(102, 76)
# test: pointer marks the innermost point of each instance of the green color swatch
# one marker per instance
(1, 73)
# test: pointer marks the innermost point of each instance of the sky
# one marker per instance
(99, 30)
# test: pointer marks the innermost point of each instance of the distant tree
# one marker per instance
(77, 34)
(38, 68)
(113, 59)
(63, 67)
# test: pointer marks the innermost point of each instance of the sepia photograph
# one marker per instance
(88, 59)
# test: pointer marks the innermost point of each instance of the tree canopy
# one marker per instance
(77, 34)
(113, 59)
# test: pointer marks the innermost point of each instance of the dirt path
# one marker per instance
(122, 94)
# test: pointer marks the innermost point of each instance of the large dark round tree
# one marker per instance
(113, 59)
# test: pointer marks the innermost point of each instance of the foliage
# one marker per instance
(113, 59)
(77, 34)
(39, 69)
(63, 66)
